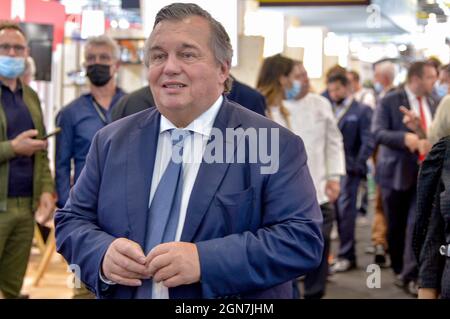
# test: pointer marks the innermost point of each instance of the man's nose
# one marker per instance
(11, 52)
(172, 65)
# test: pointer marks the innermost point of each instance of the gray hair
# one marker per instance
(220, 43)
(386, 68)
(106, 41)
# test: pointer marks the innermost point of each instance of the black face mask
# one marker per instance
(340, 101)
(99, 74)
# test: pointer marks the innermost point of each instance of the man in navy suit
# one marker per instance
(398, 160)
(354, 122)
(247, 97)
(234, 228)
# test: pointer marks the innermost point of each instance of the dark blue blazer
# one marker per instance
(254, 232)
(247, 97)
(396, 167)
(358, 139)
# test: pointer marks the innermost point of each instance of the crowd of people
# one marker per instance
(224, 231)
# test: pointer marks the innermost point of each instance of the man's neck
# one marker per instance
(182, 118)
(104, 94)
(387, 88)
(11, 83)
(414, 90)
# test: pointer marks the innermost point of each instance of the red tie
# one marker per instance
(423, 122)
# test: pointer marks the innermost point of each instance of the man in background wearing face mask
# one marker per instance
(25, 180)
(84, 116)
(354, 120)
(312, 119)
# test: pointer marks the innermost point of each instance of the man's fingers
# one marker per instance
(165, 273)
(37, 144)
(158, 250)
(129, 264)
(125, 281)
(29, 134)
(126, 273)
(403, 109)
(174, 281)
(159, 262)
(131, 250)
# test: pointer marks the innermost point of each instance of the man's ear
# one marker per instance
(225, 70)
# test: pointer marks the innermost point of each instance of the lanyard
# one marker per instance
(344, 110)
(100, 112)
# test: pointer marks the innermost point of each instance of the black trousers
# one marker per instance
(315, 281)
(400, 208)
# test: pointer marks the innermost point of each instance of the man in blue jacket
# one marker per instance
(354, 121)
(84, 116)
(150, 217)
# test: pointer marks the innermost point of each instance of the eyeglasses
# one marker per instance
(6, 47)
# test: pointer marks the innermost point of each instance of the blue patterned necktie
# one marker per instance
(164, 209)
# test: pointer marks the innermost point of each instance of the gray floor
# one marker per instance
(353, 284)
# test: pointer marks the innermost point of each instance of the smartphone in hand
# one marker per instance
(56, 131)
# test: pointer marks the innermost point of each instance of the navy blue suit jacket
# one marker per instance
(397, 167)
(358, 139)
(254, 232)
(247, 97)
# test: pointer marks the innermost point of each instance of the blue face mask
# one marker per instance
(295, 90)
(378, 87)
(10, 67)
(442, 90)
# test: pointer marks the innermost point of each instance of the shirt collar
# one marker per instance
(19, 86)
(410, 94)
(346, 103)
(201, 125)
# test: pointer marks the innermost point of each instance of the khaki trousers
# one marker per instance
(379, 226)
(16, 236)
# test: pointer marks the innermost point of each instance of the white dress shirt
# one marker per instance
(414, 104)
(194, 147)
(313, 120)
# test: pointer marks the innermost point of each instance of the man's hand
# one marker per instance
(412, 121)
(424, 147)
(411, 142)
(25, 145)
(124, 263)
(332, 190)
(174, 263)
(427, 293)
(46, 208)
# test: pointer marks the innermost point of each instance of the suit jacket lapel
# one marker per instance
(141, 153)
(432, 104)
(348, 111)
(210, 176)
(404, 99)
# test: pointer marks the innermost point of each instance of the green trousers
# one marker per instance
(16, 236)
